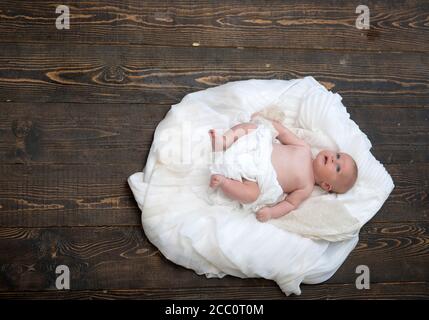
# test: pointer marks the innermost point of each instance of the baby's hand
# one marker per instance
(264, 214)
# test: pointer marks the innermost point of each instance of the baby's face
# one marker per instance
(334, 169)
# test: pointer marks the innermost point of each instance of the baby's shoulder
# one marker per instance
(304, 151)
(309, 186)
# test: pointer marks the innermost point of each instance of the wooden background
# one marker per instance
(79, 108)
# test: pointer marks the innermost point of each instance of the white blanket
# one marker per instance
(219, 240)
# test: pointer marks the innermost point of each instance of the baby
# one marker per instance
(297, 171)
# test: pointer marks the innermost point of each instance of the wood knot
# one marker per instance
(114, 74)
(27, 139)
(21, 128)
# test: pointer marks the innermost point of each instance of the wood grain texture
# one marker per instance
(121, 257)
(39, 133)
(398, 290)
(78, 133)
(164, 75)
(78, 109)
(330, 24)
(67, 196)
(98, 195)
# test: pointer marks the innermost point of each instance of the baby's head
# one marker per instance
(334, 171)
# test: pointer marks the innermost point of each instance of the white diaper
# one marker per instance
(249, 158)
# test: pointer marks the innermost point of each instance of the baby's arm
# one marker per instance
(292, 201)
(286, 136)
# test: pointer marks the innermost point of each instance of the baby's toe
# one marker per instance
(216, 180)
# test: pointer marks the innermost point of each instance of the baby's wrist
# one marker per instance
(276, 212)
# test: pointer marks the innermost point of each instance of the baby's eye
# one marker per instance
(338, 168)
(338, 155)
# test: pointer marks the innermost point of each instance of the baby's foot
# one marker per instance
(216, 180)
(218, 142)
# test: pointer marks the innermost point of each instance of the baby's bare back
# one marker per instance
(293, 165)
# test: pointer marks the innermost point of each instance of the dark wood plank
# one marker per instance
(163, 75)
(67, 195)
(400, 154)
(395, 126)
(398, 25)
(121, 258)
(113, 133)
(98, 195)
(78, 133)
(409, 200)
(399, 252)
(79, 108)
(103, 258)
(398, 290)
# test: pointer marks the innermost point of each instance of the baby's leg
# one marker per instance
(244, 192)
(223, 142)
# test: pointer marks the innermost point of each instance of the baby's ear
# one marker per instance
(326, 186)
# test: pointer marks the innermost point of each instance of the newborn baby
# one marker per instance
(297, 172)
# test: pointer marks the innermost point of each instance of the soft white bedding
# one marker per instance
(216, 240)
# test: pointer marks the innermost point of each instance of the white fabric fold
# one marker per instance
(216, 240)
